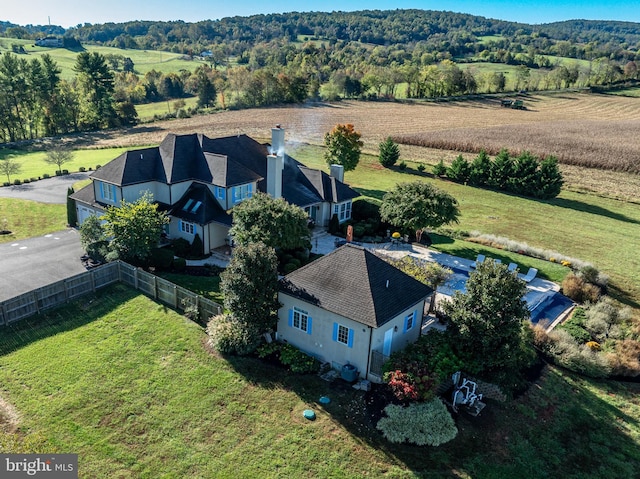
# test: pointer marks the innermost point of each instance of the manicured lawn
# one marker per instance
(127, 384)
(26, 219)
(206, 286)
(602, 231)
(33, 165)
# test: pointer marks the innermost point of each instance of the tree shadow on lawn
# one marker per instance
(377, 194)
(76, 314)
(591, 209)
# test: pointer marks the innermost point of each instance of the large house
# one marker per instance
(351, 307)
(198, 180)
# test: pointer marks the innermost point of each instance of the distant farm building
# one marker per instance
(52, 42)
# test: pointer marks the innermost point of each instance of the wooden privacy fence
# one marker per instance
(55, 294)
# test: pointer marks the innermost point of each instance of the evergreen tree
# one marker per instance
(550, 179)
(502, 169)
(72, 214)
(459, 170)
(389, 152)
(480, 169)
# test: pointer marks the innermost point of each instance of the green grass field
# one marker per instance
(127, 385)
(143, 60)
(147, 111)
(34, 166)
(26, 219)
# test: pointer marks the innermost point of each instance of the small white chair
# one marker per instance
(512, 267)
(527, 278)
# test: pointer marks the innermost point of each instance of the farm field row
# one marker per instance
(127, 384)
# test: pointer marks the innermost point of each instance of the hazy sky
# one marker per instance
(72, 12)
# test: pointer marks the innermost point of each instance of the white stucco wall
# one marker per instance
(320, 342)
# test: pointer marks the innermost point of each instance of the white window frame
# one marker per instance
(343, 335)
(187, 227)
(300, 319)
(242, 192)
(342, 211)
(108, 192)
(410, 319)
(220, 192)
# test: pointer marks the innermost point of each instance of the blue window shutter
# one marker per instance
(250, 190)
(113, 193)
(335, 331)
(101, 189)
(350, 341)
(415, 318)
(308, 324)
(291, 318)
(406, 324)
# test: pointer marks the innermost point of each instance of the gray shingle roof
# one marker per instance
(352, 282)
(208, 210)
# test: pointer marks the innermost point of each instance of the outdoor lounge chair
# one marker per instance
(512, 267)
(479, 259)
(529, 276)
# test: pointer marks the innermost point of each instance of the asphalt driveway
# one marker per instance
(31, 263)
(49, 190)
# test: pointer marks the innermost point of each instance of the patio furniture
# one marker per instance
(512, 267)
(479, 259)
(527, 278)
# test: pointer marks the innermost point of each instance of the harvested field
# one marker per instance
(609, 145)
(546, 115)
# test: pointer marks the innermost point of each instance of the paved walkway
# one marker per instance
(49, 190)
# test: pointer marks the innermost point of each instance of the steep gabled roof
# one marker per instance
(198, 205)
(227, 172)
(354, 283)
(328, 188)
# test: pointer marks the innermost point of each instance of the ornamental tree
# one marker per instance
(135, 228)
(58, 157)
(272, 221)
(490, 324)
(343, 146)
(417, 206)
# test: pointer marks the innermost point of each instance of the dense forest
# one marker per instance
(288, 58)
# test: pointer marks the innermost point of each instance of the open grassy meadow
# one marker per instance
(143, 60)
(129, 386)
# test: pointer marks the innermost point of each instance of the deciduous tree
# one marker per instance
(58, 156)
(490, 323)
(274, 222)
(135, 228)
(343, 146)
(417, 206)
(9, 166)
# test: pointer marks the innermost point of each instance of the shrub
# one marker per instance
(179, 264)
(161, 258)
(576, 288)
(575, 326)
(181, 247)
(589, 274)
(65, 172)
(626, 359)
(17, 182)
(33, 178)
(422, 424)
(229, 336)
(402, 166)
(298, 361)
(83, 169)
(365, 209)
(439, 169)
(603, 320)
(98, 251)
(98, 167)
(26, 180)
(421, 167)
(197, 248)
(58, 173)
(581, 359)
(334, 224)
(289, 267)
(6, 183)
(46, 175)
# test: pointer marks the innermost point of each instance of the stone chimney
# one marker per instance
(337, 171)
(275, 162)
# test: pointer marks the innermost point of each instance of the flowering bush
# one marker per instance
(593, 345)
(416, 384)
(566, 263)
